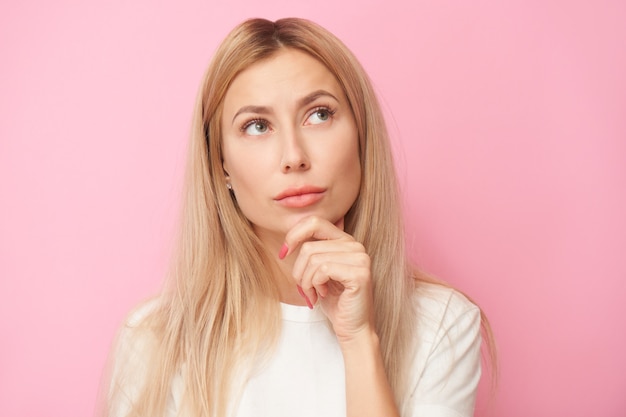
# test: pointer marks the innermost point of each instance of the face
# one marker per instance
(289, 143)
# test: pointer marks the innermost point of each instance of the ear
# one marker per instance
(226, 176)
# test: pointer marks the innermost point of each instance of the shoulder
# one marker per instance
(441, 306)
(446, 362)
(130, 358)
(142, 311)
(444, 317)
(136, 335)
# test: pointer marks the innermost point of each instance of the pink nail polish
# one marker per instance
(300, 291)
(283, 251)
(308, 302)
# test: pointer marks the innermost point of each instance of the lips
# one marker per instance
(300, 196)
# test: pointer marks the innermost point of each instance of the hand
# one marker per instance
(334, 269)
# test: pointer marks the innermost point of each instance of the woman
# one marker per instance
(291, 293)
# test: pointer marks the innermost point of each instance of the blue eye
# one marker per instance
(320, 115)
(255, 127)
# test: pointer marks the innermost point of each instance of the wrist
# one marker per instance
(365, 341)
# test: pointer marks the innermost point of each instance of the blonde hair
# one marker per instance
(222, 305)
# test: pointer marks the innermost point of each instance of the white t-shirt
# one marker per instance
(306, 377)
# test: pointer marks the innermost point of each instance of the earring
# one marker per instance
(230, 187)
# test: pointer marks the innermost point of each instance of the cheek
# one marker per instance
(247, 172)
(345, 165)
(243, 174)
(236, 162)
(348, 158)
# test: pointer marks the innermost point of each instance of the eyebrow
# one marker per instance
(309, 98)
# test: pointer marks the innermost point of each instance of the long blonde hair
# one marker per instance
(221, 308)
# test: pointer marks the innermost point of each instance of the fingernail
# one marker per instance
(300, 291)
(283, 251)
(308, 302)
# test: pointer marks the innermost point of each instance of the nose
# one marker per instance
(295, 157)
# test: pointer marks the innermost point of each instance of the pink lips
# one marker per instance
(300, 196)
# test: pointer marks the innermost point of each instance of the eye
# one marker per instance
(320, 115)
(255, 127)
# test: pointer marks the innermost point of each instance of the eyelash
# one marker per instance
(330, 110)
(331, 113)
(250, 122)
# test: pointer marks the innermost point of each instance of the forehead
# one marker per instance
(287, 73)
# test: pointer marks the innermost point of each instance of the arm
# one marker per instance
(334, 269)
(368, 392)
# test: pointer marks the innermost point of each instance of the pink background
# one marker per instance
(509, 121)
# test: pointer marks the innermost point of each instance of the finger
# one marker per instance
(310, 228)
(309, 250)
(341, 278)
(350, 269)
(306, 298)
